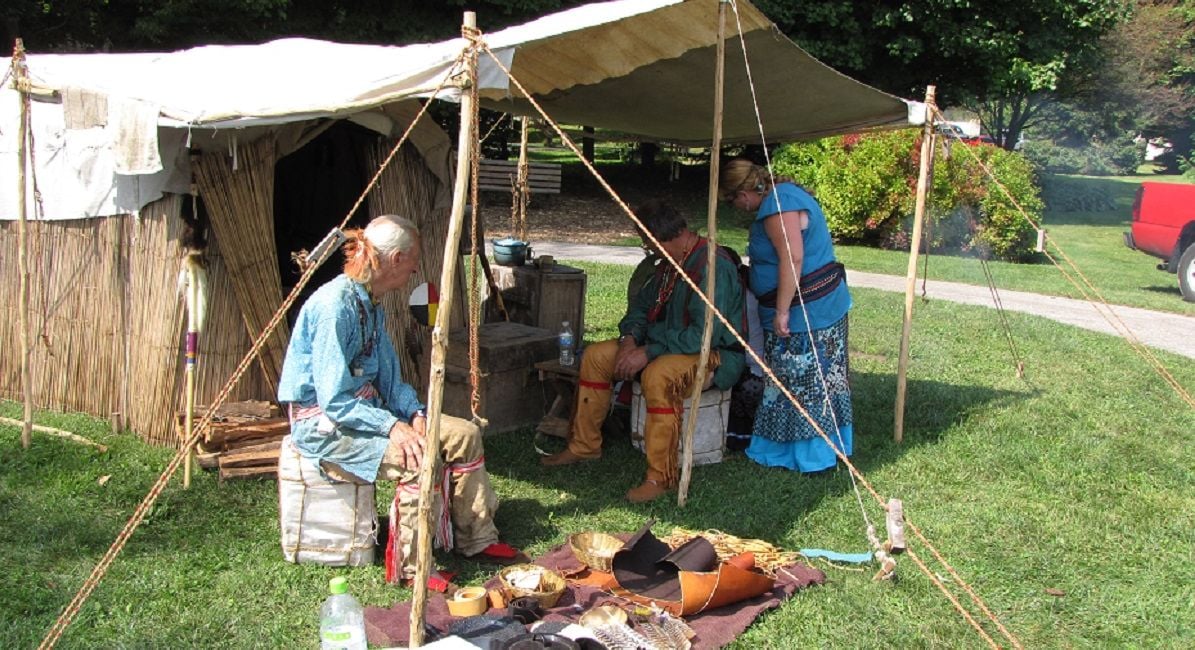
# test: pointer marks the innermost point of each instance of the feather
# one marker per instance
(193, 278)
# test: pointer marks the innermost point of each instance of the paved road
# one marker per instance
(1171, 332)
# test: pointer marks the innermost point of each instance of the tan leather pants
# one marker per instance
(666, 382)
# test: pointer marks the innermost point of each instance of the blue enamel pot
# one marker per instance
(510, 251)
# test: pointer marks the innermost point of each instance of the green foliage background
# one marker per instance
(867, 187)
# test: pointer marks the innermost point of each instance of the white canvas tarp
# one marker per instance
(644, 67)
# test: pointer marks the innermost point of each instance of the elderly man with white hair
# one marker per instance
(351, 412)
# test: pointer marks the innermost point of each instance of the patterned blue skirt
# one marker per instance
(782, 435)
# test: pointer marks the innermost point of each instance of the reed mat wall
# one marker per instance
(108, 320)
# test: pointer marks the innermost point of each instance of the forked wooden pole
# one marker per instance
(686, 472)
(927, 160)
(435, 396)
(20, 77)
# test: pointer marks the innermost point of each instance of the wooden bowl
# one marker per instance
(550, 588)
(595, 550)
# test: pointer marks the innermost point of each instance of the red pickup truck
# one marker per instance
(1164, 226)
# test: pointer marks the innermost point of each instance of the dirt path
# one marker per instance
(1171, 332)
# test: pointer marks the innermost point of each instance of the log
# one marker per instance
(263, 454)
(56, 432)
(264, 471)
(231, 436)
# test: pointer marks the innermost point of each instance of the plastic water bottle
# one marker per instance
(341, 619)
(566, 345)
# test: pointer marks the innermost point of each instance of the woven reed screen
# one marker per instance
(108, 321)
(408, 188)
(77, 359)
(240, 205)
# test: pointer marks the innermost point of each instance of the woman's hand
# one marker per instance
(780, 324)
(409, 442)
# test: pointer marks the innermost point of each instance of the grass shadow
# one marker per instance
(717, 493)
(1088, 200)
(1170, 289)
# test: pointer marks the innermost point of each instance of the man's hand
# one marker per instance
(628, 364)
(409, 441)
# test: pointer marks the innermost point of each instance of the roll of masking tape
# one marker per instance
(468, 601)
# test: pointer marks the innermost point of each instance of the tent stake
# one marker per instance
(686, 472)
(435, 396)
(927, 156)
(20, 79)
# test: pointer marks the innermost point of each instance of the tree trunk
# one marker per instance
(587, 143)
(647, 154)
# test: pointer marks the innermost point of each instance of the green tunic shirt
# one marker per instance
(681, 321)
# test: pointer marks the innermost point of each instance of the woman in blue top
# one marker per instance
(805, 340)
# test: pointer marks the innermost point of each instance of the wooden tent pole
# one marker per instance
(686, 472)
(435, 396)
(20, 77)
(522, 181)
(902, 367)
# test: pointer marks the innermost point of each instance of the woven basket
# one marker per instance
(551, 585)
(595, 550)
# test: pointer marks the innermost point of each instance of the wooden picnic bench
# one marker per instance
(500, 176)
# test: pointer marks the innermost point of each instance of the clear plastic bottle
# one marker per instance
(566, 345)
(341, 619)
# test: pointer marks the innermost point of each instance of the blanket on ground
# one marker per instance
(715, 628)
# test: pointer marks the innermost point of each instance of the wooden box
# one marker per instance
(511, 392)
(543, 298)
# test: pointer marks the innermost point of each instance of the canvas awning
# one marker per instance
(643, 67)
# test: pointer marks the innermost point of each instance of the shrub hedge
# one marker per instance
(867, 184)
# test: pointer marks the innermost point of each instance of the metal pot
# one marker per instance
(510, 251)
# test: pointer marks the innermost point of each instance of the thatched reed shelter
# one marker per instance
(108, 318)
(278, 139)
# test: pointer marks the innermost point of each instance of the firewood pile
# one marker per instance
(243, 441)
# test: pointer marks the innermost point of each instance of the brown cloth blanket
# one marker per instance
(715, 628)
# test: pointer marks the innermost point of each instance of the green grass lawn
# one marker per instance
(1079, 479)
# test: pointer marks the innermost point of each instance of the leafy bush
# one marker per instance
(866, 185)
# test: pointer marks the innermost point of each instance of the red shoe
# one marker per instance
(500, 553)
(439, 581)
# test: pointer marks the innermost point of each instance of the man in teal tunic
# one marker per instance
(659, 344)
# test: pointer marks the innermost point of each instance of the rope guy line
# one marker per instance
(1107, 312)
(568, 142)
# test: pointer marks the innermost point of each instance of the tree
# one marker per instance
(136, 25)
(1154, 70)
(1004, 61)
(1146, 87)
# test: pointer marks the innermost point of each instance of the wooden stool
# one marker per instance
(564, 383)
